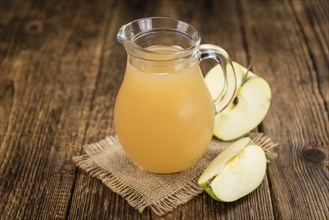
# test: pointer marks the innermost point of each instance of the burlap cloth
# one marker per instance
(107, 162)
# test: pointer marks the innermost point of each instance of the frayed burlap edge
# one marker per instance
(266, 143)
(183, 195)
(165, 205)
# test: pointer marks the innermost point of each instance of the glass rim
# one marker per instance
(194, 40)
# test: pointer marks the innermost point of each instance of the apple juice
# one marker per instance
(164, 114)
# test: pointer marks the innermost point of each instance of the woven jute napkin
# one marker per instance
(106, 161)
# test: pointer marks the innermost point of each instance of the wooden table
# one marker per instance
(61, 68)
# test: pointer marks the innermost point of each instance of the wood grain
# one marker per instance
(91, 199)
(297, 119)
(60, 71)
(313, 20)
(48, 70)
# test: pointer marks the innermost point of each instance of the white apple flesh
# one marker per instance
(249, 108)
(235, 172)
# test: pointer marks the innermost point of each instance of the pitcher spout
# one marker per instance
(121, 36)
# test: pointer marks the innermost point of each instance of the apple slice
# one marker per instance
(249, 107)
(235, 172)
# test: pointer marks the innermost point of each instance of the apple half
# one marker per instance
(235, 172)
(249, 107)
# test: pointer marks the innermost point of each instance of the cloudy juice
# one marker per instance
(164, 114)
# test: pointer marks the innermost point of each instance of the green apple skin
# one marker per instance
(253, 102)
(236, 174)
(242, 176)
(219, 164)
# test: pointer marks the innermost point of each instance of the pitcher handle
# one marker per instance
(226, 96)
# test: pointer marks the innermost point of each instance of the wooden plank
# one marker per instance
(58, 62)
(91, 198)
(313, 18)
(297, 119)
(50, 56)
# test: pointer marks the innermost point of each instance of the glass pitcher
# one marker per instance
(164, 113)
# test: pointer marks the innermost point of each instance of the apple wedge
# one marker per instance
(249, 107)
(235, 172)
